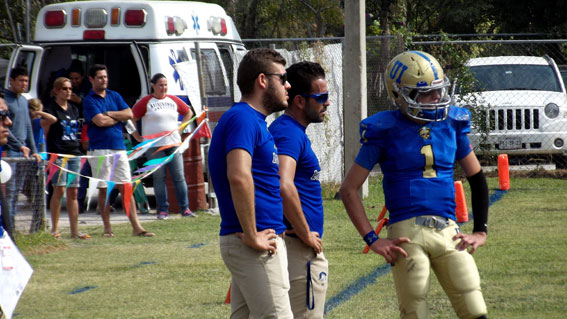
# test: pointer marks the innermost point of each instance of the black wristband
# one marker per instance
(370, 238)
(479, 199)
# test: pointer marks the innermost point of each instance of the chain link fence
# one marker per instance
(518, 102)
(23, 195)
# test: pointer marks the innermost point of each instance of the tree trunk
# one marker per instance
(11, 21)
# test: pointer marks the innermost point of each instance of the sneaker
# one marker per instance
(163, 215)
(188, 213)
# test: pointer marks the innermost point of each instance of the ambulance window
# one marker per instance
(182, 56)
(228, 66)
(212, 72)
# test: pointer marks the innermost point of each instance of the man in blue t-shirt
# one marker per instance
(104, 112)
(243, 165)
(301, 189)
(417, 146)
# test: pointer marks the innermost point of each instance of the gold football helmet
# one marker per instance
(412, 73)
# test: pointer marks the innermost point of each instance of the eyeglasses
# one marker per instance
(5, 114)
(318, 97)
(282, 76)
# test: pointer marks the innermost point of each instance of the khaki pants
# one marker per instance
(260, 281)
(300, 293)
(456, 271)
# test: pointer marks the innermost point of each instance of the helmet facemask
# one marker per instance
(423, 111)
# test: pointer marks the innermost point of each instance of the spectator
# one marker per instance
(160, 112)
(80, 87)
(20, 141)
(243, 166)
(417, 146)
(301, 189)
(5, 124)
(63, 138)
(39, 120)
(104, 111)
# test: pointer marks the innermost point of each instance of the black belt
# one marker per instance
(436, 222)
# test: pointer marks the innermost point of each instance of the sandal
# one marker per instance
(84, 236)
(144, 233)
(108, 235)
(56, 235)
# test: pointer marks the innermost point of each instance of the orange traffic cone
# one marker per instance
(227, 300)
(503, 172)
(461, 210)
(381, 222)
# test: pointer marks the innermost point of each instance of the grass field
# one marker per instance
(179, 273)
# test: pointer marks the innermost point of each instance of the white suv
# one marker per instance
(524, 103)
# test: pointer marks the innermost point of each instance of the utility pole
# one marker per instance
(354, 81)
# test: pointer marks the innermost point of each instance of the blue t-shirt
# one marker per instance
(104, 138)
(292, 141)
(417, 160)
(242, 127)
(38, 135)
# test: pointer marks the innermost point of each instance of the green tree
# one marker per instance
(13, 18)
(256, 19)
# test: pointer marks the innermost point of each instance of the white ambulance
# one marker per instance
(136, 39)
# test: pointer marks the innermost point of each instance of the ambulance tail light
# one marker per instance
(223, 27)
(55, 18)
(175, 25)
(169, 26)
(93, 35)
(96, 18)
(115, 17)
(217, 25)
(76, 17)
(135, 18)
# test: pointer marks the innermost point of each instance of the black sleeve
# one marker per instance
(479, 194)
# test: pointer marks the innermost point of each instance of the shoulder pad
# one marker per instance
(459, 114)
(462, 118)
(376, 126)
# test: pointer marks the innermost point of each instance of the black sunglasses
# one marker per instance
(282, 76)
(5, 114)
(320, 98)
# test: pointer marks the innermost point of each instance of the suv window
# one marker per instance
(563, 71)
(515, 77)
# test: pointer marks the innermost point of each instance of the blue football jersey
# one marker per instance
(417, 160)
(244, 128)
(292, 141)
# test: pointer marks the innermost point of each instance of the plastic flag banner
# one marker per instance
(114, 163)
(110, 186)
(127, 197)
(99, 164)
(166, 147)
(52, 159)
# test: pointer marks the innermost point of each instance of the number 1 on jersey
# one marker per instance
(428, 170)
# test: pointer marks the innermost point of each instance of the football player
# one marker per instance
(416, 147)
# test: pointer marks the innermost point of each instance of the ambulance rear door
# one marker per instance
(28, 56)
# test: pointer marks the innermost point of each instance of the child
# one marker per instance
(40, 121)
